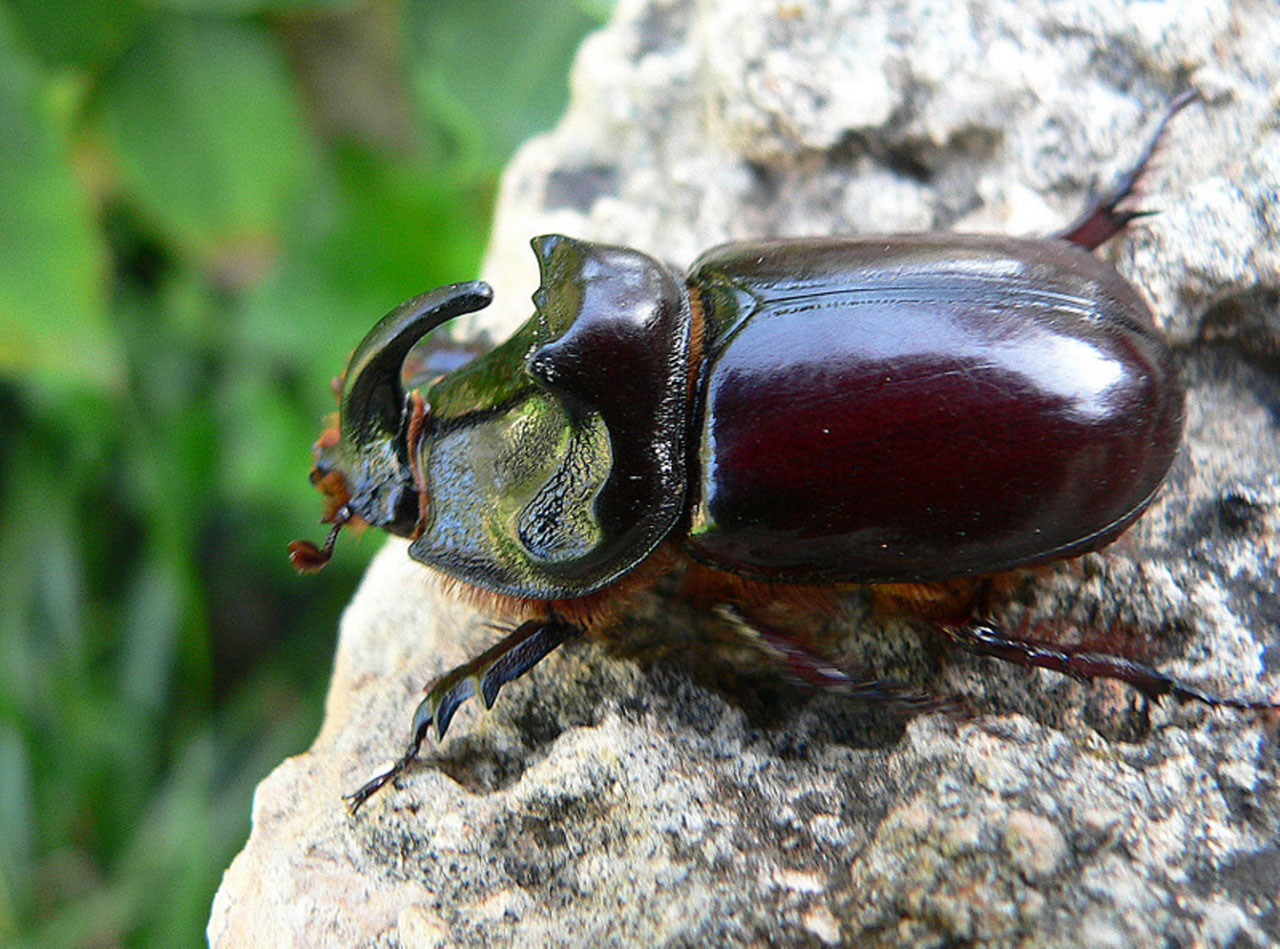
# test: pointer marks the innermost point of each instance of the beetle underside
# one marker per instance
(533, 639)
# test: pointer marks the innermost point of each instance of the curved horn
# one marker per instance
(373, 395)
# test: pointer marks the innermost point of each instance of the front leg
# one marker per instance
(484, 675)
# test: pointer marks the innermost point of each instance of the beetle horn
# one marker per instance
(362, 467)
(373, 396)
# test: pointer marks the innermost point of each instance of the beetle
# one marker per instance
(917, 412)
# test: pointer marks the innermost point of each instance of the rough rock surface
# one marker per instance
(669, 788)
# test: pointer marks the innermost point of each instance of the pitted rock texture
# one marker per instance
(668, 787)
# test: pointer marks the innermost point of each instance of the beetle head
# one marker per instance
(363, 463)
(544, 469)
(555, 462)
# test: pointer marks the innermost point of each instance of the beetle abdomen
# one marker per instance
(924, 407)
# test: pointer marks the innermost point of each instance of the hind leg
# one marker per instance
(1105, 218)
(985, 638)
(809, 668)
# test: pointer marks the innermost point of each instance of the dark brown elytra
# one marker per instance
(915, 412)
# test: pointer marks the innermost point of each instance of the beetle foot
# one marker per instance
(356, 799)
(1082, 662)
(484, 675)
(817, 671)
(1104, 218)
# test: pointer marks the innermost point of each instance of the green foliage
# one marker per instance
(53, 265)
(455, 52)
(187, 113)
(206, 203)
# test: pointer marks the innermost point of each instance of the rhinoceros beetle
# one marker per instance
(788, 415)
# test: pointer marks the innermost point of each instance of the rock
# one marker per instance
(668, 787)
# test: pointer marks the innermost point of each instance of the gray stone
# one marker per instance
(667, 786)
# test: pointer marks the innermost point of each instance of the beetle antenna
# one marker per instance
(306, 557)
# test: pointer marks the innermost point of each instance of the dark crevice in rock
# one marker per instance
(765, 186)
(578, 189)
(1251, 879)
(477, 765)
(1249, 321)
(913, 160)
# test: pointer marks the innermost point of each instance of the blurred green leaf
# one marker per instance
(375, 234)
(264, 447)
(152, 621)
(176, 233)
(53, 267)
(21, 530)
(17, 825)
(85, 33)
(491, 73)
(208, 137)
(598, 11)
(166, 852)
(234, 7)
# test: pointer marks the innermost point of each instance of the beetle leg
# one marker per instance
(986, 639)
(812, 669)
(1104, 218)
(484, 675)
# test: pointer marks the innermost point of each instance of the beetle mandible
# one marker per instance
(915, 409)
